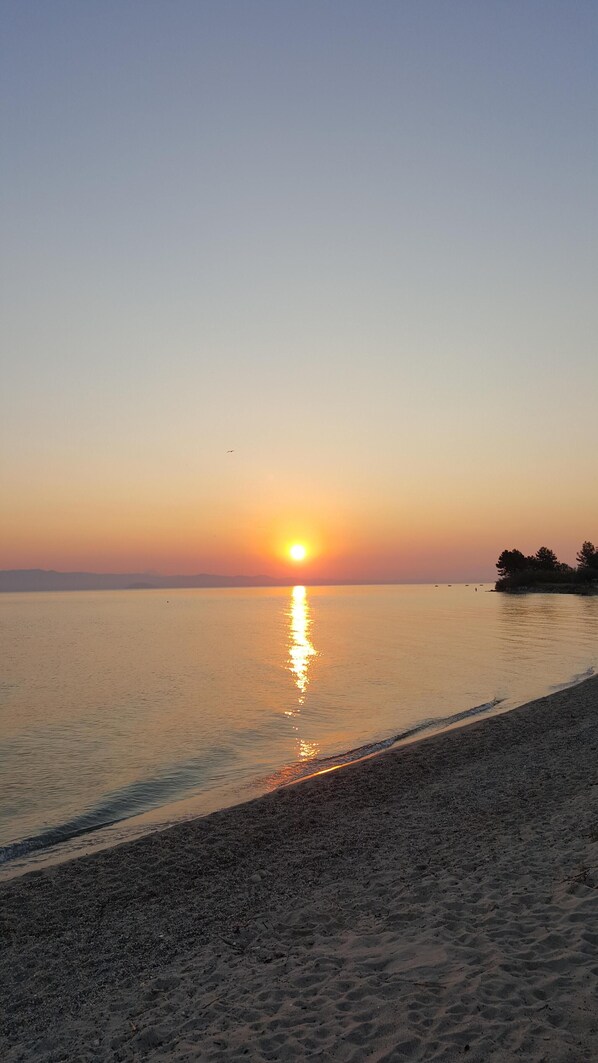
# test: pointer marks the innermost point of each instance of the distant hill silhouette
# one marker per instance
(39, 579)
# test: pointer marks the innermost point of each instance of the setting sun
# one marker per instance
(298, 552)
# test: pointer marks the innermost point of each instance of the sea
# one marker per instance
(125, 712)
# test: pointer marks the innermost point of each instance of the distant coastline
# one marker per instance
(552, 588)
(38, 579)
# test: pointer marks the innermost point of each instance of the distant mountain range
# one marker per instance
(39, 579)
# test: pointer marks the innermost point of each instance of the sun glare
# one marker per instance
(298, 552)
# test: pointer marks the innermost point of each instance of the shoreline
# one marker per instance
(107, 835)
(581, 590)
(112, 834)
(437, 895)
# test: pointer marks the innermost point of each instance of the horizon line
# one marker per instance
(40, 579)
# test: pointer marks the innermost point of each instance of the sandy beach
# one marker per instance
(436, 902)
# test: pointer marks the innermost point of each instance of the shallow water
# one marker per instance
(139, 708)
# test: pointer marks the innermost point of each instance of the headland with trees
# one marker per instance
(543, 571)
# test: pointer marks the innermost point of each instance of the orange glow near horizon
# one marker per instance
(110, 518)
(83, 527)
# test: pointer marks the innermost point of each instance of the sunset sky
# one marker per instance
(353, 243)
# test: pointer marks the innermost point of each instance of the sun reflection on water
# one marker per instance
(301, 651)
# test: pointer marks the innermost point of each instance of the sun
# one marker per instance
(298, 552)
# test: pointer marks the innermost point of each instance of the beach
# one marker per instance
(436, 902)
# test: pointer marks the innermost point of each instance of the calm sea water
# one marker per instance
(141, 708)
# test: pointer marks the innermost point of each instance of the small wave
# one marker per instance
(438, 722)
(579, 677)
(132, 800)
(145, 794)
(84, 824)
(319, 764)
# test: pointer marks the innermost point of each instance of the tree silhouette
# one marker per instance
(544, 571)
(587, 557)
(511, 562)
(545, 559)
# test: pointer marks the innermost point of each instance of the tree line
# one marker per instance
(517, 571)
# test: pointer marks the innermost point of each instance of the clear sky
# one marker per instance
(354, 243)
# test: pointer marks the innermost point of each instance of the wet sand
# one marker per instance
(437, 902)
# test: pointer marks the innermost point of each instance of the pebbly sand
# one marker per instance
(437, 902)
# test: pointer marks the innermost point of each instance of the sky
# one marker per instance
(317, 272)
